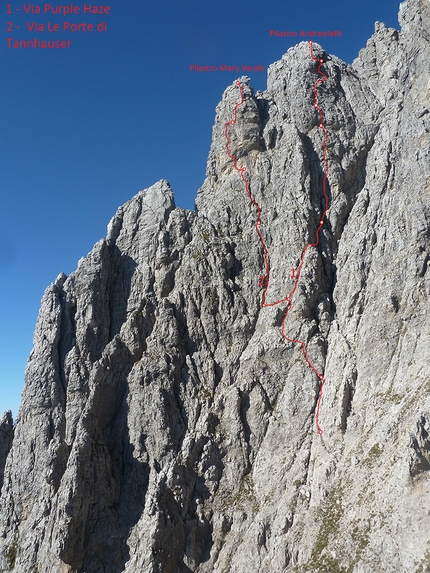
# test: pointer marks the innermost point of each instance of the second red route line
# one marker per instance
(295, 272)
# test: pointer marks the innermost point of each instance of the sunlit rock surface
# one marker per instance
(167, 426)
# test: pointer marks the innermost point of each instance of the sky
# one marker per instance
(88, 126)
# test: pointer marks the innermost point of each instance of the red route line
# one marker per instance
(295, 273)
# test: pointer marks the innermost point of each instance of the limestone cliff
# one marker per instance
(167, 426)
(6, 436)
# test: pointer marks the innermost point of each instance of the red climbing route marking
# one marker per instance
(264, 280)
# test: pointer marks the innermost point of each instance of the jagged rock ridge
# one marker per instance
(165, 424)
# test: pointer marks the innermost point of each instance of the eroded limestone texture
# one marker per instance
(166, 426)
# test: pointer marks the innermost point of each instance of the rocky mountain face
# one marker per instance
(6, 436)
(167, 426)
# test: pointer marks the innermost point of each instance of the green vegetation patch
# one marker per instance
(424, 566)
(373, 455)
(360, 536)
(322, 559)
(245, 495)
(10, 554)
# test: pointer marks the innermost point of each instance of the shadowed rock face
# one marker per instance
(166, 425)
(6, 436)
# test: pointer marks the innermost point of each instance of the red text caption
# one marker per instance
(197, 68)
(53, 27)
(305, 33)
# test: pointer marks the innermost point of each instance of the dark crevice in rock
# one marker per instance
(68, 332)
(6, 439)
(120, 285)
(419, 444)
(180, 537)
(243, 409)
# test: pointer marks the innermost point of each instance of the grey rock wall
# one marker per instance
(6, 437)
(167, 426)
